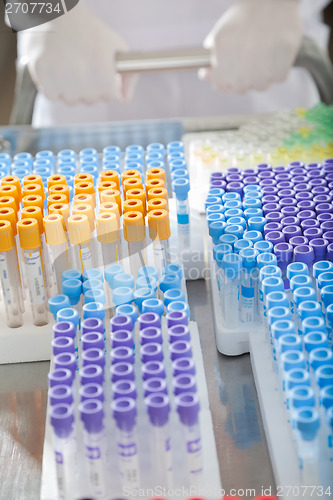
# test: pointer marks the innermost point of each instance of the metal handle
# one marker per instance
(135, 62)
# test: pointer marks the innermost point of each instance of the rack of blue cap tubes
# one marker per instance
(128, 404)
(271, 231)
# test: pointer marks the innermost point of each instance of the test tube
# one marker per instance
(62, 422)
(125, 413)
(188, 407)
(134, 233)
(10, 277)
(249, 285)
(158, 409)
(159, 232)
(57, 243)
(92, 416)
(108, 236)
(80, 237)
(31, 245)
(306, 424)
(231, 264)
(181, 188)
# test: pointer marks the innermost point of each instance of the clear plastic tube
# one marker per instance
(36, 285)
(10, 281)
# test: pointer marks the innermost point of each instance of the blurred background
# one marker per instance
(8, 57)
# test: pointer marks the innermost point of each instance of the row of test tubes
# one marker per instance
(272, 235)
(122, 401)
(84, 211)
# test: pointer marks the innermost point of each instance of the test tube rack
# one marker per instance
(209, 484)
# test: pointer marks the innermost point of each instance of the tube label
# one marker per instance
(35, 277)
(96, 469)
(128, 462)
(5, 283)
(61, 479)
(86, 258)
(194, 456)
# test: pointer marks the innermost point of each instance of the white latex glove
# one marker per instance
(72, 59)
(254, 45)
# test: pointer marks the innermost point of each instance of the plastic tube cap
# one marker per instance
(320, 356)
(79, 229)
(93, 356)
(179, 305)
(107, 227)
(182, 366)
(54, 229)
(149, 319)
(93, 310)
(134, 228)
(128, 310)
(151, 334)
(122, 371)
(9, 214)
(62, 419)
(292, 359)
(29, 234)
(92, 339)
(147, 281)
(326, 397)
(169, 281)
(282, 327)
(153, 369)
(324, 376)
(325, 279)
(6, 236)
(180, 349)
(177, 317)
(172, 295)
(304, 293)
(110, 272)
(92, 325)
(296, 268)
(57, 303)
(124, 412)
(92, 415)
(123, 280)
(327, 295)
(159, 225)
(309, 308)
(122, 354)
(181, 187)
(153, 305)
(73, 289)
(142, 294)
(61, 376)
(297, 377)
(124, 389)
(62, 344)
(91, 391)
(121, 322)
(148, 271)
(188, 407)
(301, 396)
(249, 258)
(65, 360)
(60, 394)
(315, 340)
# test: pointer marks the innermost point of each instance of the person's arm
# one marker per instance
(72, 58)
(254, 45)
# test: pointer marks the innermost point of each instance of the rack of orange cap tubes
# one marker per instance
(110, 221)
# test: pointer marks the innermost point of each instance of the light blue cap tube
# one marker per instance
(323, 266)
(268, 271)
(324, 376)
(24, 157)
(173, 269)
(329, 314)
(71, 274)
(263, 246)
(297, 377)
(179, 305)
(110, 272)
(313, 324)
(67, 170)
(169, 281)
(123, 280)
(235, 229)
(114, 150)
(326, 295)
(57, 303)
(251, 202)
(177, 163)
(272, 284)
(242, 245)
(304, 293)
(148, 271)
(292, 359)
(146, 282)
(219, 251)
(254, 236)
(302, 396)
(300, 280)
(175, 155)
(42, 171)
(172, 295)
(252, 187)
(212, 200)
(73, 289)
(216, 229)
(95, 295)
(266, 259)
(153, 156)
(122, 295)
(306, 421)
(282, 327)
(249, 258)
(232, 264)
(153, 305)
(128, 310)
(88, 152)
(156, 147)
(175, 146)
(238, 221)
(69, 314)
(93, 310)
(229, 239)
(326, 397)
(215, 209)
(278, 314)
(315, 340)
(253, 194)
(320, 356)
(309, 308)
(180, 173)
(95, 274)
(256, 224)
(252, 212)
(67, 153)
(141, 294)
(6, 158)
(231, 197)
(325, 279)
(216, 192)
(20, 172)
(289, 342)
(92, 283)
(275, 299)
(112, 165)
(233, 205)
(296, 268)
(215, 217)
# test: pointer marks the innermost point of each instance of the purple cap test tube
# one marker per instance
(183, 365)
(92, 339)
(151, 334)
(184, 383)
(154, 385)
(60, 376)
(158, 409)
(305, 254)
(64, 329)
(92, 325)
(122, 371)
(92, 415)
(149, 319)
(176, 318)
(121, 322)
(124, 413)
(62, 419)
(124, 389)
(60, 394)
(122, 338)
(180, 349)
(93, 356)
(188, 408)
(151, 352)
(91, 391)
(91, 374)
(66, 360)
(153, 369)
(62, 344)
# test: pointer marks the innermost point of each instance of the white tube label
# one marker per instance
(96, 470)
(86, 258)
(5, 281)
(61, 479)
(128, 463)
(35, 277)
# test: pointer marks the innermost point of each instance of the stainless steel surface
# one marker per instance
(310, 57)
(242, 451)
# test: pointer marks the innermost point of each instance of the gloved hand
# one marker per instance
(72, 59)
(254, 45)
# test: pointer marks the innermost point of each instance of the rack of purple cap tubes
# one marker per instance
(122, 401)
(272, 281)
